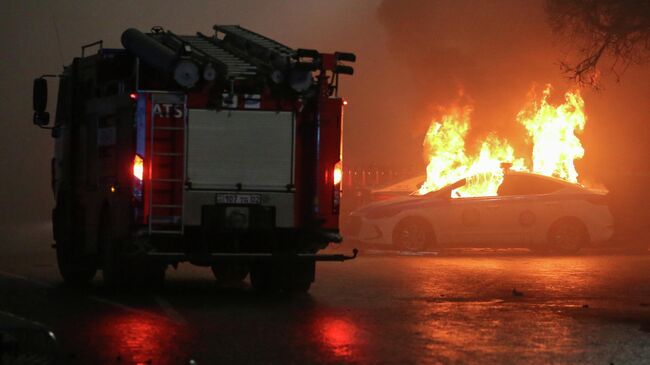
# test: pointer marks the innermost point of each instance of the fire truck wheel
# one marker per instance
(414, 235)
(114, 266)
(225, 272)
(75, 267)
(286, 277)
(298, 277)
(297, 286)
(262, 277)
(567, 236)
(147, 274)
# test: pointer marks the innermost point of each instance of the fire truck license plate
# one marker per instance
(239, 199)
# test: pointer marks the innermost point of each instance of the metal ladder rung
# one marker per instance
(167, 180)
(167, 154)
(169, 128)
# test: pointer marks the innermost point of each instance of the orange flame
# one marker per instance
(551, 130)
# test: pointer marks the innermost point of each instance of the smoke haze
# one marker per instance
(412, 57)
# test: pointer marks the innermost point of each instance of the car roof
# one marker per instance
(543, 177)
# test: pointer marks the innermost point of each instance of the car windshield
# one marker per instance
(509, 185)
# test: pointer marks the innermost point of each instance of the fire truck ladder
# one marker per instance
(246, 40)
(167, 171)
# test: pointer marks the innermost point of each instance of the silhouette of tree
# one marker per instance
(616, 30)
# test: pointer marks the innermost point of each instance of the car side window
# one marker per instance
(527, 185)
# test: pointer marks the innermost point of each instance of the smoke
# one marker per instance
(493, 50)
(413, 56)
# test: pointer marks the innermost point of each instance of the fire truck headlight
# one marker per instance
(138, 167)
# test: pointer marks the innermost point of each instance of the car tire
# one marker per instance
(413, 235)
(567, 236)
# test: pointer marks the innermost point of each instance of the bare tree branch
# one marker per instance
(599, 29)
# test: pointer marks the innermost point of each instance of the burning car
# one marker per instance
(528, 210)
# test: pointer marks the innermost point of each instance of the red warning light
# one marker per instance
(133, 96)
(345, 102)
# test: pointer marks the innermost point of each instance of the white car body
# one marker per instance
(516, 219)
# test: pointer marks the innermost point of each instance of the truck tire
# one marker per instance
(229, 272)
(149, 275)
(113, 263)
(287, 277)
(299, 277)
(75, 267)
(262, 278)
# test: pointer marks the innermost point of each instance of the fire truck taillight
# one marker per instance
(338, 173)
(138, 167)
(133, 96)
(337, 177)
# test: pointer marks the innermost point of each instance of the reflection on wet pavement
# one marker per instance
(338, 335)
(582, 309)
(141, 339)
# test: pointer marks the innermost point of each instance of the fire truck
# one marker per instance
(221, 150)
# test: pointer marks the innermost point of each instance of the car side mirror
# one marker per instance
(41, 117)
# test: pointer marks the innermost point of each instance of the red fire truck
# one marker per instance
(221, 150)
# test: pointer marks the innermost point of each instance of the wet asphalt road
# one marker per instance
(591, 308)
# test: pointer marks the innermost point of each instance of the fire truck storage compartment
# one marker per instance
(244, 150)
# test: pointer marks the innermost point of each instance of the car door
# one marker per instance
(469, 222)
(526, 201)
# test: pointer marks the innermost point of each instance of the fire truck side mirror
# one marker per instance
(40, 95)
(346, 70)
(41, 117)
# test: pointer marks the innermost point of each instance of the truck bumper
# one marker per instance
(245, 257)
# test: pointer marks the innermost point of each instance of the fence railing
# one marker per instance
(364, 177)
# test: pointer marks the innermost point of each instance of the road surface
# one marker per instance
(474, 307)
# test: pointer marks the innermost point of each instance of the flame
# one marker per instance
(449, 161)
(551, 130)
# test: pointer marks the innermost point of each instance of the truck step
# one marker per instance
(166, 205)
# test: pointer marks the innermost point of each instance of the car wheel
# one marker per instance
(568, 236)
(413, 235)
